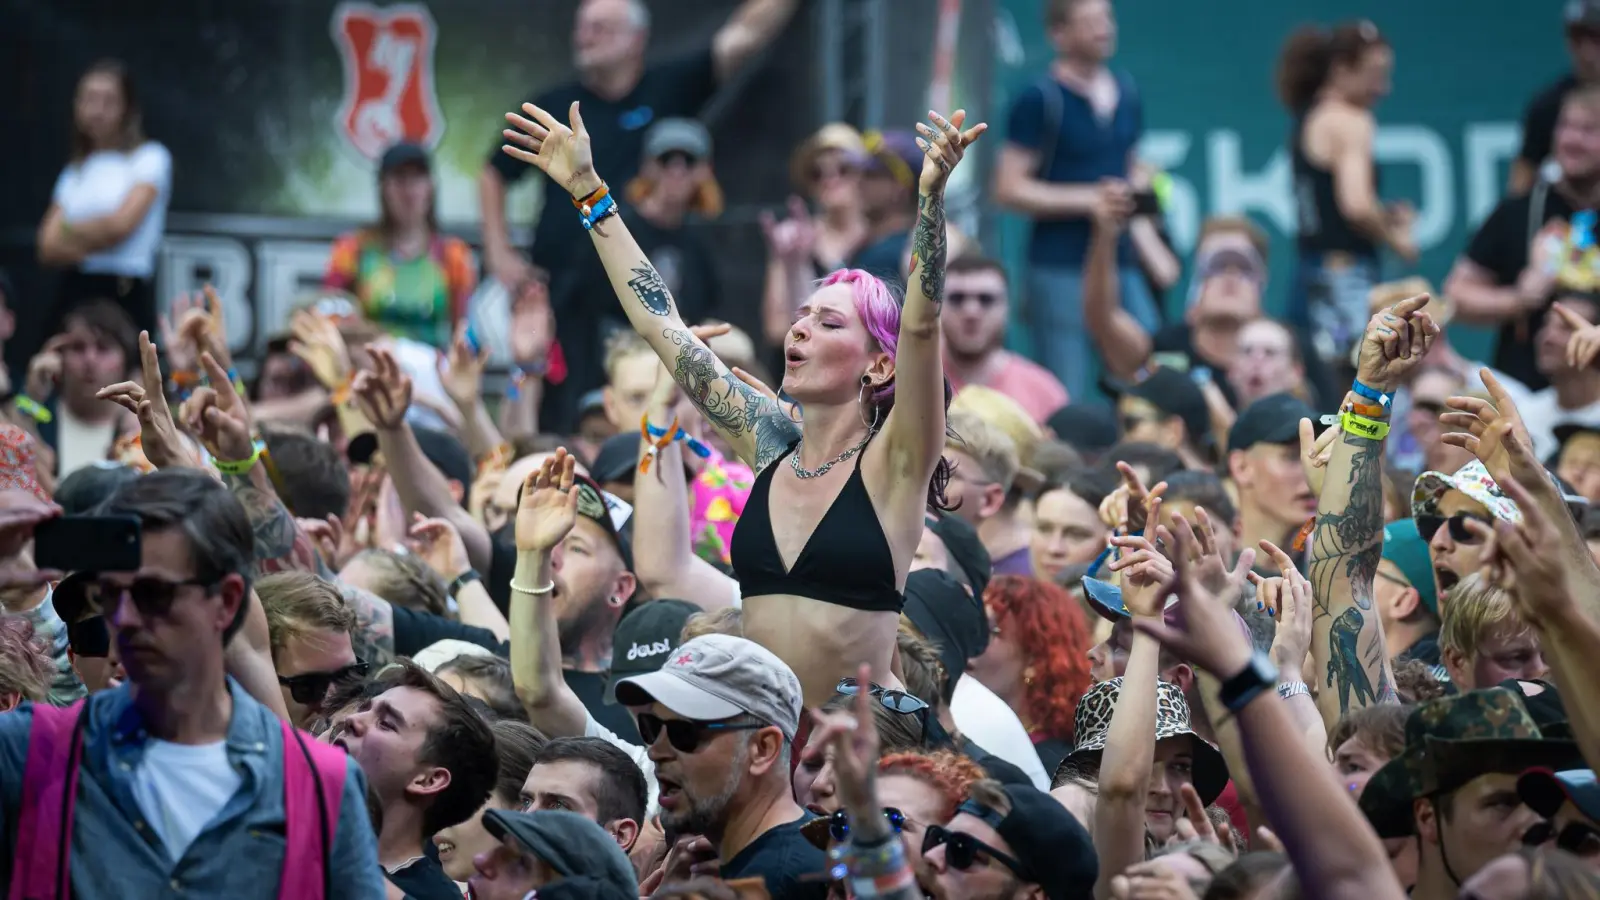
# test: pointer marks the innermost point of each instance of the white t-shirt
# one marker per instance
(180, 788)
(97, 186)
(988, 722)
(80, 444)
(1541, 413)
(421, 362)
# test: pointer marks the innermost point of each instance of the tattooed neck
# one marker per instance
(929, 246)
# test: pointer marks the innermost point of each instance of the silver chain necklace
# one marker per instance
(802, 472)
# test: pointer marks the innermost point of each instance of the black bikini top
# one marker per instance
(846, 561)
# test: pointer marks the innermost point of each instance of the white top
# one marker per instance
(180, 788)
(421, 362)
(80, 444)
(988, 722)
(1541, 413)
(97, 186)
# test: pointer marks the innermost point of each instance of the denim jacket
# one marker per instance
(239, 855)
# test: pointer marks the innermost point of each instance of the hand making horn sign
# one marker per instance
(824, 546)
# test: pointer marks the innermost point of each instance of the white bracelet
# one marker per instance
(1293, 689)
(534, 591)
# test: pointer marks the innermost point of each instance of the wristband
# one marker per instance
(593, 215)
(239, 466)
(655, 440)
(532, 591)
(1372, 393)
(514, 379)
(700, 449)
(31, 408)
(1363, 427)
(464, 579)
(1367, 409)
(600, 193)
(1293, 689)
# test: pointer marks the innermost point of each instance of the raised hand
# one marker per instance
(560, 151)
(549, 506)
(439, 544)
(1395, 342)
(321, 347)
(1288, 599)
(533, 326)
(158, 435)
(793, 239)
(44, 370)
(943, 144)
(1203, 629)
(1315, 451)
(20, 513)
(1541, 562)
(220, 416)
(854, 738)
(461, 371)
(1493, 432)
(1204, 551)
(1584, 345)
(383, 392)
(1128, 505)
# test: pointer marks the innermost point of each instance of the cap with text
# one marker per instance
(718, 677)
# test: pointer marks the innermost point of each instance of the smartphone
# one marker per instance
(1146, 203)
(88, 544)
(473, 344)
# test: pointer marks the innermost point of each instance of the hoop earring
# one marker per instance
(873, 425)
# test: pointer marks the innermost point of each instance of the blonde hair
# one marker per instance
(623, 343)
(988, 446)
(1003, 413)
(1476, 611)
(299, 603)
(727, 620)
(404, 579)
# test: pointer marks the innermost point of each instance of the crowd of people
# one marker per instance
(866, 605)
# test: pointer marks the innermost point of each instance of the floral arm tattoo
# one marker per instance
(735, 408)
(279, 543)
(1347, 545)
(373, 637)
(930, 244)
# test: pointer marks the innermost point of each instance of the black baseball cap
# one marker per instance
(1054, 849)
(950, 618)
(87, 633)
(1175, 394)
(404, 153)
(441, 448)
(966, 550)
(1089, 428)
(595, 505)
(616, 458)
(644, 638)
(1273, 419)
(574, 847)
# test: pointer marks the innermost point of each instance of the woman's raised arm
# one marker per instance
(751, 423)
(915, 427)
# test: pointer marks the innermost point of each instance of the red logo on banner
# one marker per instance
(388, 76)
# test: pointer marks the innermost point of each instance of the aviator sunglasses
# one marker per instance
(686, 735)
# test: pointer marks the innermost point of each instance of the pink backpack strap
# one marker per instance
(49, 786)
(313, 788)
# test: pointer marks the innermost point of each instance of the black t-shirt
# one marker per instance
(675, 88)
(792, 868)
(591, 689)
(1502, 246)
(587, 310)
(1539, 121)
(425, 880)
(1173, 347)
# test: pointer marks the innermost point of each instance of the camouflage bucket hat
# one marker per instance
(1092, 723)
(1449, 742)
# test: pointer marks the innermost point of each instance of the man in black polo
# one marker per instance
(1539, 120)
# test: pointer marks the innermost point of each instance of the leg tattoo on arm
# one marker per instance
(651, 290)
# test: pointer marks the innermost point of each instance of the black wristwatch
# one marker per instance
(1259, 676)
(464, 579)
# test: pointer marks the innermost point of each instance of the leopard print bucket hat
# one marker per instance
(1093, 721)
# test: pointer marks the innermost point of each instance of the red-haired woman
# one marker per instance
(109, 206)
(1330, 80)
(1037, 660)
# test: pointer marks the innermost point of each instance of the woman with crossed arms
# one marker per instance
(826, 539)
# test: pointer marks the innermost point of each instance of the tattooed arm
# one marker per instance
(279, 543)
(750, 422)
(373, 637)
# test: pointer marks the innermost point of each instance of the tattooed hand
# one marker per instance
(944, 144)
(1396, 341)
(560, 151)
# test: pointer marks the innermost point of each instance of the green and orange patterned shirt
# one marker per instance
(420, 298)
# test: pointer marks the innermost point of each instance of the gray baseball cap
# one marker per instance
(717, 677)
(680, 135)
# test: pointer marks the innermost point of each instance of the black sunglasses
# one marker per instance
(984, 300)
(151, 596)
(311, 688)
(667, 158)
(839, 823)
(685, 735)
(892, 700)
(962, 850)
(1429, 525)
(1578, 838)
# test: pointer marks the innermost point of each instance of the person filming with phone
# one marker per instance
(167, 783)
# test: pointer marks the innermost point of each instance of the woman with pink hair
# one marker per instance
(826, 539)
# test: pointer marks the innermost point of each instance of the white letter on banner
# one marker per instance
(189, 261)
(1167, 150)
(1271, 192)
(1424, 148)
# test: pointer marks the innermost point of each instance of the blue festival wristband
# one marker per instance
(593, 215)
(700, 450)
(1371, 393)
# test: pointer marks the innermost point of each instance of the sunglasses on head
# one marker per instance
(983, 299)
(892, 700)
(671, 156)
(839, 823)
(686, 735)
(962, 851)
(311, 688)
(150, 595)
(838, 170)
(1578, 838)
(1429, 525)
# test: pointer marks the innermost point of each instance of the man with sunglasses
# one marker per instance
(181, 770)
(1441, 504)
(719, 718)
(1006, 839)
(309, 627)
(1569, 801)
(977, 309)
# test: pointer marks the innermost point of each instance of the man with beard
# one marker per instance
(431, 761)
(181, 772)
(1455, 786)
(976, 310)
(1009, 841)
(719, 718)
